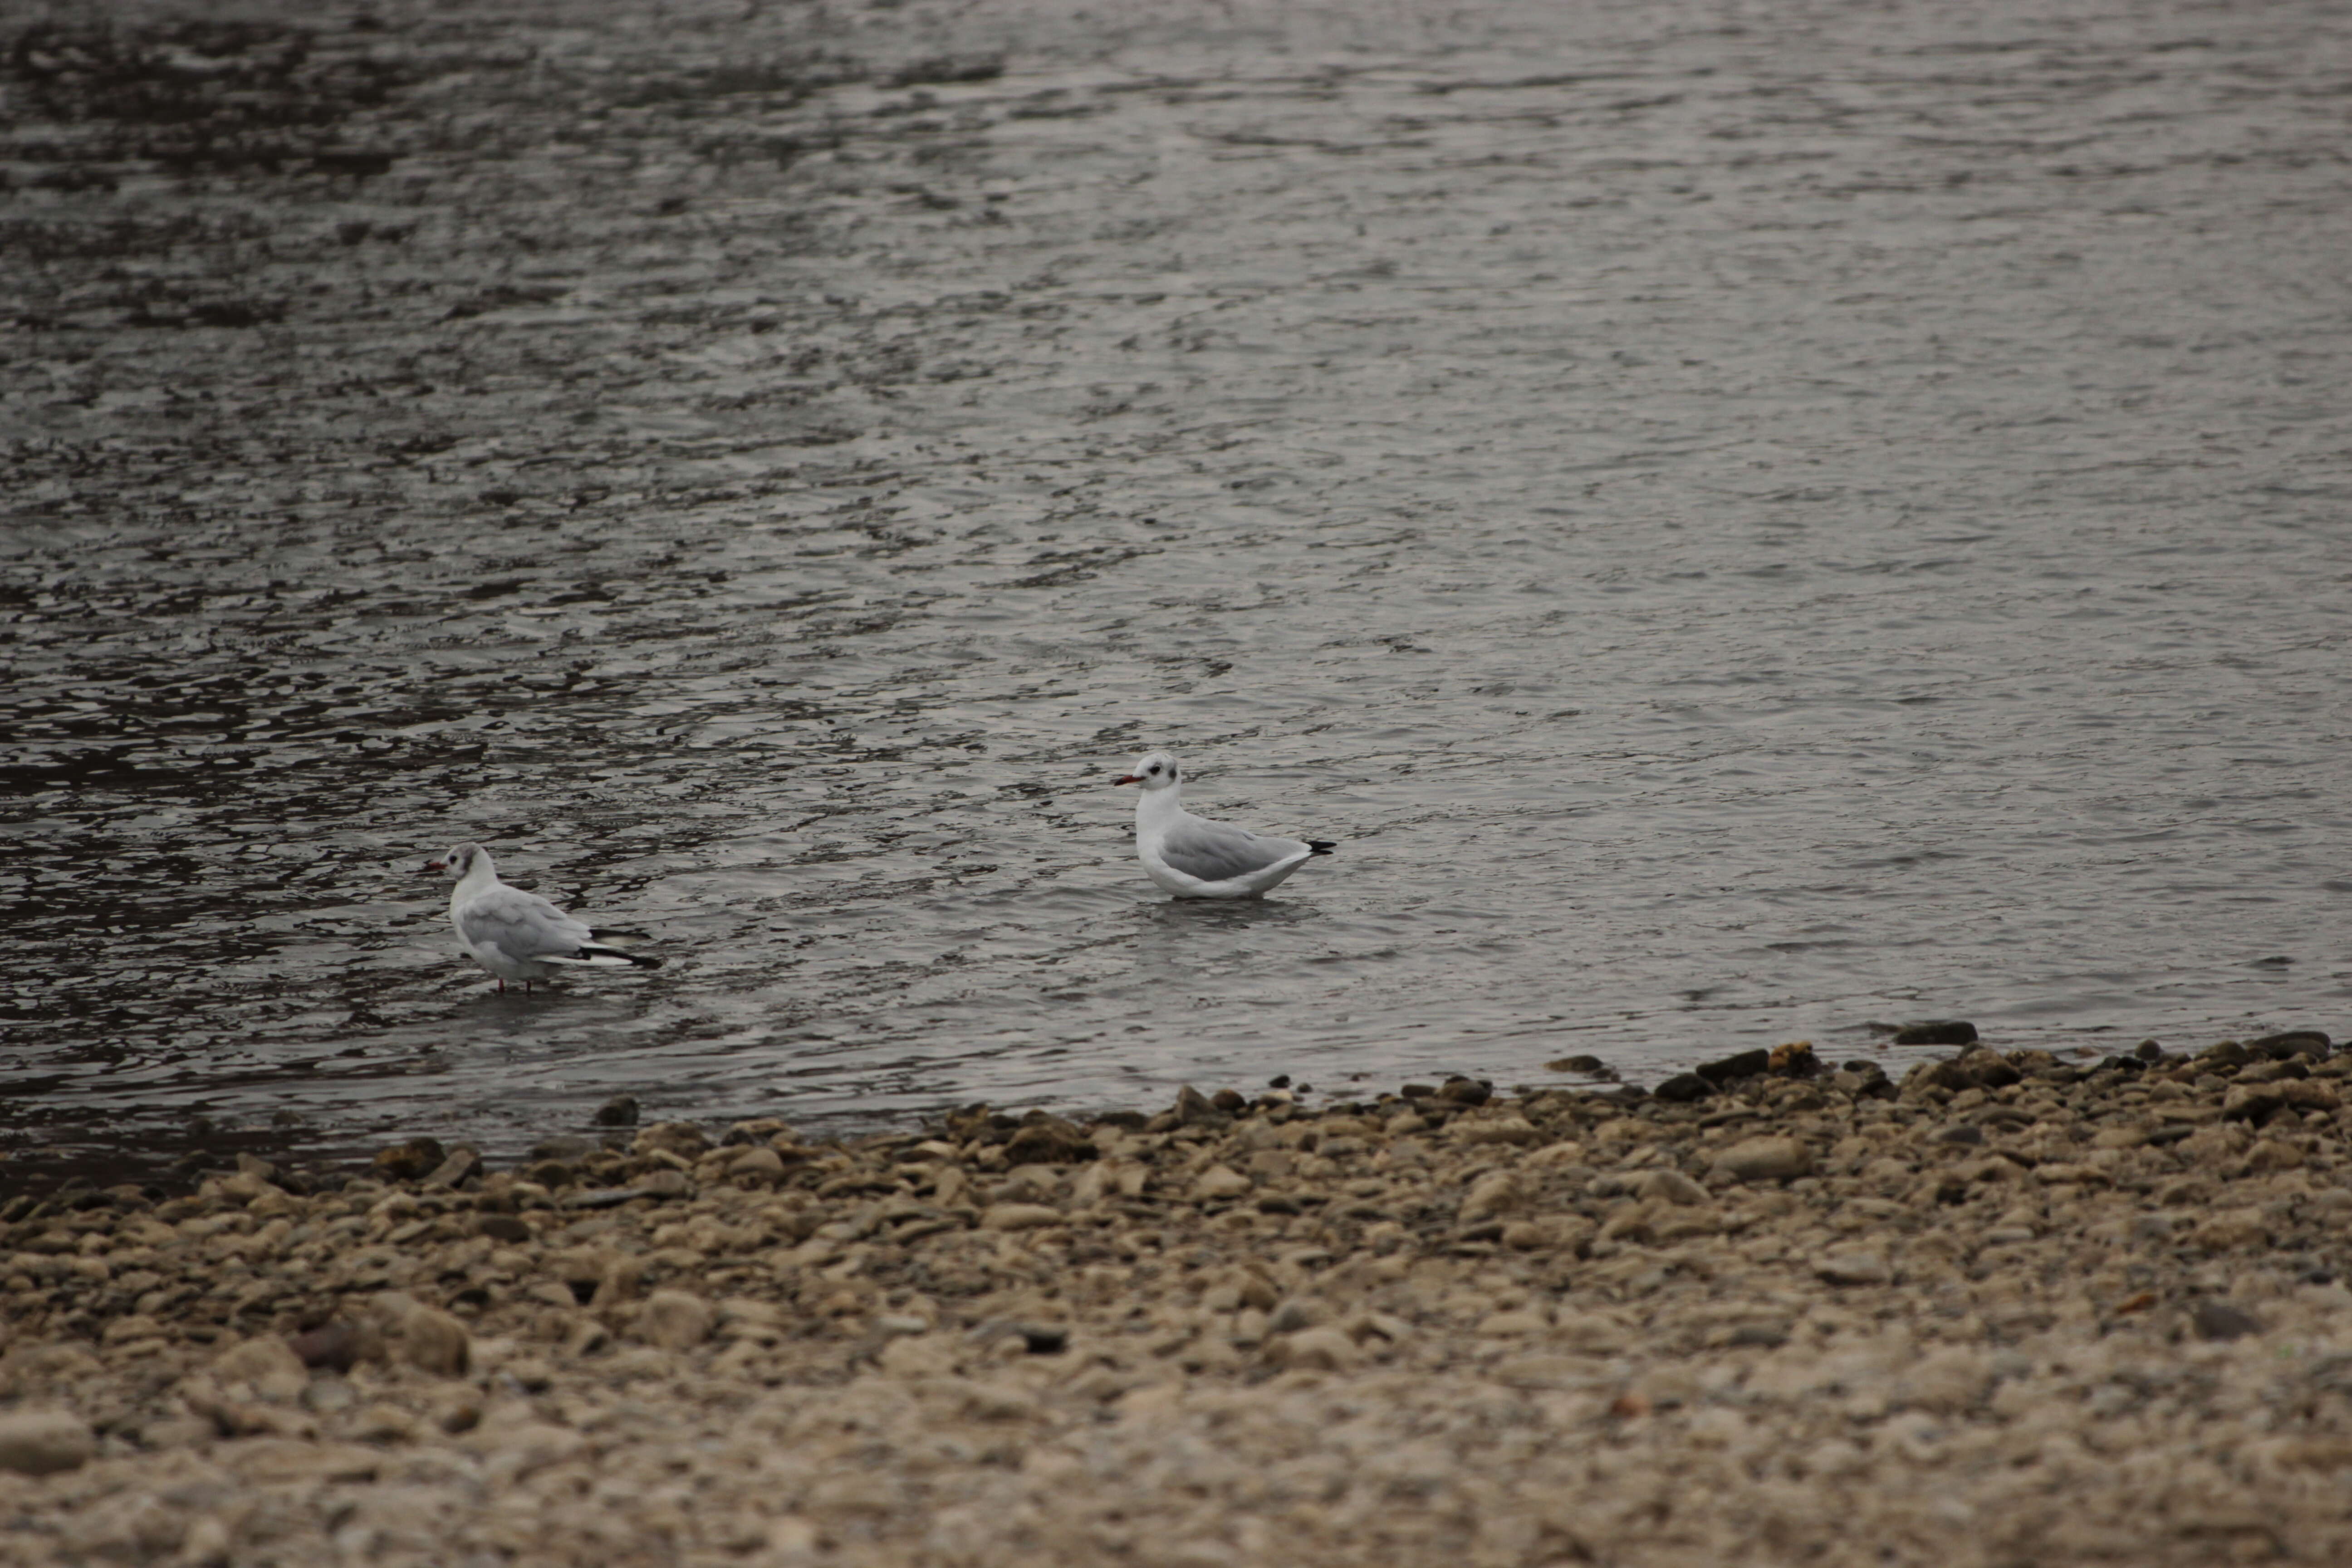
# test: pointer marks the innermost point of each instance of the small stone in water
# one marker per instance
(1467, 1092)
(1193, 1108)
(462, 1164)
(2292, 1043)
(410, 1161)
(1936, 1032)
(1049, 1140)
(1684, 1088)
(1727, 1069)
(621, 1110)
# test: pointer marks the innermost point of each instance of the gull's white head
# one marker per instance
(1153, 770)
(460, 860)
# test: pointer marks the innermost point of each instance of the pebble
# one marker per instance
(1683, 1087)
(44, 1442)
(1497, 1191)
(1854, 1269)
(2230, 1230)
(1219, 1184)
(1768, 1159)
(434, 1341)
(1316, 1350)
(2218, 1319)
(676, 1320)
(1672, 1186)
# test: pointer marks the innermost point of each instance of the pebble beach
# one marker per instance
(2012, 1309)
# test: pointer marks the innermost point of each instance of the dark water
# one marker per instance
(1745, 520)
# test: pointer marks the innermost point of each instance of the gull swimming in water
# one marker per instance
(517, 935)
(1193, 858)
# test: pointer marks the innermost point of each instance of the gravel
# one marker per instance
(1793, 1321)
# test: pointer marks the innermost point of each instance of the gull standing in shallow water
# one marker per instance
(517, 935)
(1193, 858)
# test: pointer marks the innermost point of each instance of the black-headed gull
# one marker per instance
(517, 935)
(1193, 858)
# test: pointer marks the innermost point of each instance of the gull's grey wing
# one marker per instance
(520, 926)
(1217, 852)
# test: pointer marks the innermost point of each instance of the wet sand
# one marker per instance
(2009, 1312)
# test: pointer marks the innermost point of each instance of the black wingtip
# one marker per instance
(642, 961)
(1322, 845)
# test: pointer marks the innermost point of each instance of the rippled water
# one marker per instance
(1746, 524)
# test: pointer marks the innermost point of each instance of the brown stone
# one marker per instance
(1673, 1186)
(683, 1139)
(2230, 1229)
(44, 1442)
(1768, 1159)
(675, 1319)
(1314, 1349)
(1220, 1183)
(434, 1341)
(410, 1161)
(462, 1164)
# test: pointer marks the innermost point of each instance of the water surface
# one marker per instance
(1744, 528)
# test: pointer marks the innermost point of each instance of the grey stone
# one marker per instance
(2218, 1319)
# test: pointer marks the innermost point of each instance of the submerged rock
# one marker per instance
(1936, 1032)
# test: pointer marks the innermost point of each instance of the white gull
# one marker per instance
(1193, 858)
(517, 935)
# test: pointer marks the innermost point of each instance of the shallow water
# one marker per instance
(1744, 528)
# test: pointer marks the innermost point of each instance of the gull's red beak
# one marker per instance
(1129, 778)
(433, 866)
